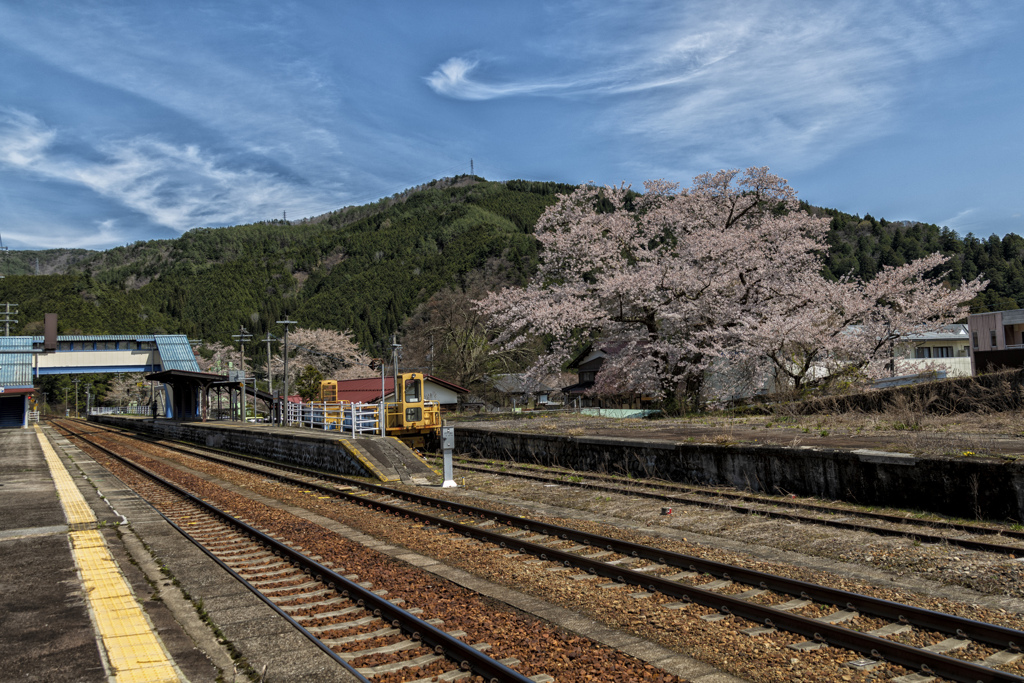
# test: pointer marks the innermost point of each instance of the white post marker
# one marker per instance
(447, 444)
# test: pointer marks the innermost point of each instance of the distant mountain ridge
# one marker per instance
(367, 268)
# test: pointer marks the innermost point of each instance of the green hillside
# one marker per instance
(361, 268)
(862, 246)
(367, 268)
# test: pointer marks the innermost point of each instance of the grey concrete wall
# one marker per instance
(974, 487)
(295, 449)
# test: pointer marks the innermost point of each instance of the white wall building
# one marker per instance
(947, 349)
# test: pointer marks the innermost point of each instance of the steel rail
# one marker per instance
(991, 634)
(280, 612)
(905, 655)
(709, 491)
(465, 655)
(828, 634)
(967, 544)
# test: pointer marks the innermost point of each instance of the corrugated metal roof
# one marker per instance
(519, 383)
(953, 332)
(364, 390)
(97, 337)
(175, 352)
(15, 368)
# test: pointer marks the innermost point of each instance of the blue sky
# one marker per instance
(128, 121)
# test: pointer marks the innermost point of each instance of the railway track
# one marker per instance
(371, 636)
(880, 631)
(769, 506)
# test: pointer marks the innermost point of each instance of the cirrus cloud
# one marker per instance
(176, 186)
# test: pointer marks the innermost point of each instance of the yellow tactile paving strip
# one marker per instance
(76, 509)
(135, 653)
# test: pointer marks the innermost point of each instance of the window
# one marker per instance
(922, 352)
(975, 337)
(63, 346)
(993, 338)
(412, 391)
(942, 352)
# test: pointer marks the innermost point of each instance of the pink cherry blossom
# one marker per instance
(725, 274)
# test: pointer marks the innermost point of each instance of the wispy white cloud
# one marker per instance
(779, 80)
(179, 187)
(963, 221)
(452, 78)
(103, 235)
(264, 95)
(23, 138)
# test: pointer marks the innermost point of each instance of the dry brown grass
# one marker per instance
(906, 427)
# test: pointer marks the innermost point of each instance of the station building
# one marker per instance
(23, 359)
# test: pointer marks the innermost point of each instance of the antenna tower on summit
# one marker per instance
(471, 172)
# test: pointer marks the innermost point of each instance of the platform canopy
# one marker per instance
(188, 396)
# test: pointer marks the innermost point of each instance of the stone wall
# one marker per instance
(968, 487)
(296, 449)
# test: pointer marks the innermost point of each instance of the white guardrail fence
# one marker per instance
(353, 418)
(121, 410)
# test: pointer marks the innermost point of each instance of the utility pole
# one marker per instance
(7, 319)
(242, 337)
(270, 377)
(396, 352)
(284, 403)
(76, 380)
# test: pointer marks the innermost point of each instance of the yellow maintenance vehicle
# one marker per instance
(408, 416)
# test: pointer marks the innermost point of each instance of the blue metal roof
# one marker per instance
(175, 352)
(15, 368)
(98, 337)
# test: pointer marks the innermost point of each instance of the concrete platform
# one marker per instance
(953, 486)
(46, 633)
(383, 458)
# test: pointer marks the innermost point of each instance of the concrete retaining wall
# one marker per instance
(296, 449)
(971, 488)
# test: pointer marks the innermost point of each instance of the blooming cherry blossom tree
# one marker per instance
(333, 354)
(727, 270)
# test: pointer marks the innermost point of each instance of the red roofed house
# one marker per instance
(368, 390)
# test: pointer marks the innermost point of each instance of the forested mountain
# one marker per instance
(367, 268)
(862, 246)
(361, 268)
